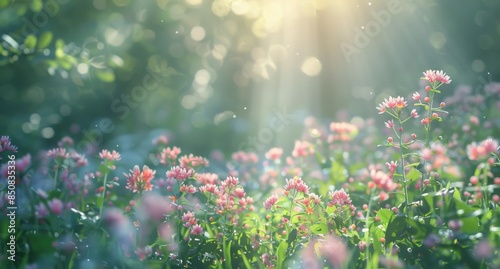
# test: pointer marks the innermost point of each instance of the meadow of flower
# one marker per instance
(416, 187)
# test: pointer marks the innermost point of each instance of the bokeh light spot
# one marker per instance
(82, 68)
(202, 77)
(35, 118)
(311, 66)
(240, 7)
(188, 102)
(198, 33)
(47, 132)
(194, 2)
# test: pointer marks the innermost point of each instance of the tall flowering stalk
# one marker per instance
(436, 79)
(107, 164)
(394, 107)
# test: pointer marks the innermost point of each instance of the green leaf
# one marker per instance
(281, 254)
(385, 216)
(292, 236)
(245, 259)
(44, 40)
(413, 175)
(320, 228)
(4, 3)
(227, 253)
(377, 233)
(106, 75)
(338, 173)
(396, 230)
(36, 5)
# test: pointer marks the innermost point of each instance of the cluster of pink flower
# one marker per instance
(22, 164)
(342, 131)
(382, 181)
(60, 154)
(482, 150)
(169, 155)
(191, 161)
(297, 185)
(341, 199)
(395, 104)
(274, 154)
(436, 76)
(139, 181)
(56, 207)
(229, 197)
(191, 222)
(6, 145)
(302, 149)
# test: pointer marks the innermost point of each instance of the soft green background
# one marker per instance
(64, 63)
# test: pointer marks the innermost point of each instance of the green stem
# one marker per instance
(403, 172)
(103, 195)
(429, 114)
(485, 186)
(367, 233)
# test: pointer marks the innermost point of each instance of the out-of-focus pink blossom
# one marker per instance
(274, 154)
(302, 149)
(169, 155)
(482, 150)
(56, 206)
(109, 156)
(270, 201)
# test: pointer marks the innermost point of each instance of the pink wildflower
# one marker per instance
(41, 211)
(302, 149)
(189, 219)
(339, 197)
(6, 144)
(65, 142)
(56, 206)
(169, 155)
(270, 201)
(416, 96)
(343, 131)
(196, 229)
(58, 153)
(211, 188)
(78, 159)
(483, 150)
(436, 76)
(179, 173)
(191, 161)
(393, 103)
(206, 178)
(389, 124)
(274, 154)
(138, 181)
(161, 139)
(110, 156)
(414, 114)
(187, 189)
(296, 184)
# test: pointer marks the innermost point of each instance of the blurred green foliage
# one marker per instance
(66, 65)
